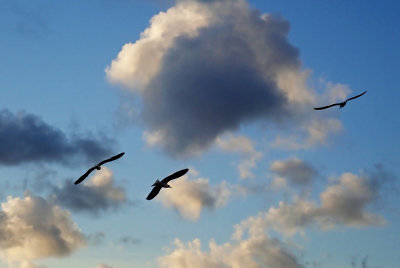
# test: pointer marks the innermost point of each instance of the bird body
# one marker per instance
(98, 167)
(340, 104)
(157, 185)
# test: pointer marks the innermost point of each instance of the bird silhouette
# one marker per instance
(341, 104)
(164, 183)
(98, 167)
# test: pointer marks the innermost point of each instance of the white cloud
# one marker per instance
(190, 196)
(256, 250)
(34, 228)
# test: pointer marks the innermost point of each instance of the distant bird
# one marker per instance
(98, 167)
(164, 183)
(341, 104)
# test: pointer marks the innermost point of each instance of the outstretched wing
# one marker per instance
(175, 175)
(81, 178)
(325, 107)
(154, 192)
(352, 98)
(115, 157)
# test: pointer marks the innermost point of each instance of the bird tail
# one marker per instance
(155, 183)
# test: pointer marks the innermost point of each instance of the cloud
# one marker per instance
(245, 147)
(190, 196)
(130, 240)
(205, 68)
(34, 228)
(346, 202)
(98, 193)
(255, 250)
(28, 264)
(27, 138)
(294, 170)
(95, 238)
(102, 265)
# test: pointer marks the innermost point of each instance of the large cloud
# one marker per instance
(33, 228)
(97, 194)
(254, 250)
(346, 202)
(190, 196)
(203, 68)
(27, 138)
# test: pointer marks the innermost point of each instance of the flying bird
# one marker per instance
(164, 183)
(341, 104)
(98, 167)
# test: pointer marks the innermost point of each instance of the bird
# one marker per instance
(98, 167)
(164, 183)
(341, 104)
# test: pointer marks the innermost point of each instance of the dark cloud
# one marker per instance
(130, 240)
(295, 170)
(27, 138)
(95, 238)
(26, 18)
(211, 83)
(97, 194)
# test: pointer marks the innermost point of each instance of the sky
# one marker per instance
(225, 88)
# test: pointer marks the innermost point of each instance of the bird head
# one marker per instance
(98, 167)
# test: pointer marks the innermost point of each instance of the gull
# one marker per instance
(341, 104)
(164, 183)
(98, 167)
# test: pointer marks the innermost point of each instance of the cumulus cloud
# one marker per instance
(190, 196)
(27, 138)
(294, 170)
(204, 68)
(97, 194)
(33, 228)
(346, 202)
(245, 147)
(254, 250)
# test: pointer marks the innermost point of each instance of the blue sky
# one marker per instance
(218, 87)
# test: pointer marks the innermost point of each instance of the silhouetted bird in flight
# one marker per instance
(98, 167)
(164, 183)
(341, 104)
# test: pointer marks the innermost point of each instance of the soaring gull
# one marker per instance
(341, 104)
(164, 183)
(98, 167)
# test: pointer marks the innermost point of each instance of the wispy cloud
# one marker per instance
(245, 147)
(27, 138)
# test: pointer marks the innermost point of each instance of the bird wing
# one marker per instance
(175, 175)
(352, 98)
(81, 178)
(115, 157)
(154, 192)
(325, 107)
